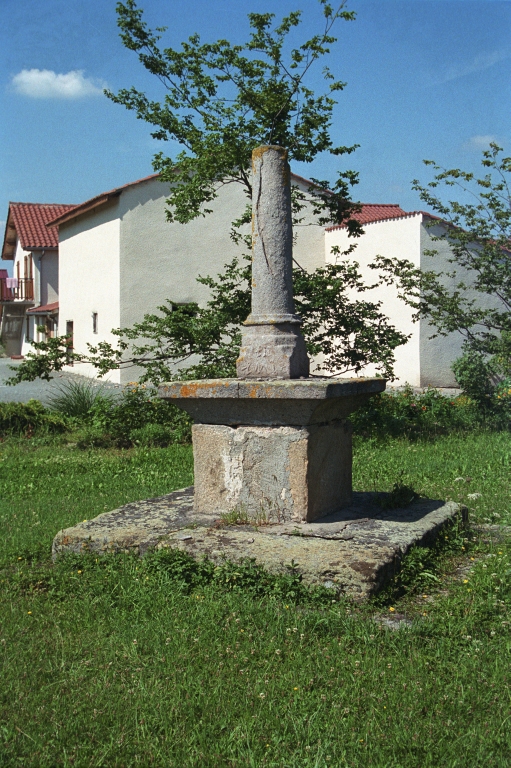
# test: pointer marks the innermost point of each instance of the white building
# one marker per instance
(393, 233)
(119, 259)
(29, 298)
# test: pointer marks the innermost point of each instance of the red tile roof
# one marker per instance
(372, 212)
(28, 222)
(44, 309)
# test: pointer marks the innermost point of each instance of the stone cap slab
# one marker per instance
(278, 389)
(270, 402)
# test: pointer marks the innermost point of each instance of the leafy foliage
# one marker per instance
(415, 415)
(223, 100)
(29, 419)
(475, 297)
(138, 416)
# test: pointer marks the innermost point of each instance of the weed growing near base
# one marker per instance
(167, 662)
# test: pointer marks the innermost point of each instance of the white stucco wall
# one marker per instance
(162, 260)
(89, 279)
(394, 238)
(23, 346)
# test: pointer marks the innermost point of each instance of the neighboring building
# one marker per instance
(391, 232)
(119, 258)
(29, 298)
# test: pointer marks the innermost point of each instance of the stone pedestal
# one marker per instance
(272, 451)
(272, 474)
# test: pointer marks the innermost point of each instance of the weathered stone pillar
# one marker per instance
(272, 344)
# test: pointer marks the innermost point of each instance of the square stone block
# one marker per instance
(272, 474)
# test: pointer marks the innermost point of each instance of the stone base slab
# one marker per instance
(354, 551)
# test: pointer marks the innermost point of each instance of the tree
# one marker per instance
(478, 303)
(221, 102)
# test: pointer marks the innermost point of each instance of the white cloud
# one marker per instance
(478, 64)
(481, 142)
(46, 84)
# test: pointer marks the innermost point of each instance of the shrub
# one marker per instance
(153, 435)
(487, 381)
(139, 415)
(28, 419)
(415, 414)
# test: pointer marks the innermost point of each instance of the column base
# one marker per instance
(273, 350)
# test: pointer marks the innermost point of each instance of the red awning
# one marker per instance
(44, 309)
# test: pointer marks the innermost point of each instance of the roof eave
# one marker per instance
(91, 205)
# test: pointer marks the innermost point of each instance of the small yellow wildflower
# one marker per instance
(29, 612)
(392, 610)
(465, 581)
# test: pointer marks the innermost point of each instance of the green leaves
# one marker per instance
(474, 297)
(224, 100)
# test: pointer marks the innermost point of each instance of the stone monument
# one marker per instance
(272, 444)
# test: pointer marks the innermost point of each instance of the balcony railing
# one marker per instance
(21, 289)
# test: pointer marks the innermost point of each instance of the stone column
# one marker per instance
(272, 344)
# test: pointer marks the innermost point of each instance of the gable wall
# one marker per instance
(89, 279)
(49, 286)
(394, 238)
(438, 354)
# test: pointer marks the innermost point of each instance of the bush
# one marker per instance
(28, 419)
(415, 415)
(487, 380)
(153, 435)
(140, 416)
(77, 398)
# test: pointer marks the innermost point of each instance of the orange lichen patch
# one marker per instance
(197, 388)
(258, 152)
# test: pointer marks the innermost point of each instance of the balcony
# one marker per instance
(21, 289)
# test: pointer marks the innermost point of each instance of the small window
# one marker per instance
(69, 341)
(94, 322)
(27, 330)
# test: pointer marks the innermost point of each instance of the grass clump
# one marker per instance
(78, 398)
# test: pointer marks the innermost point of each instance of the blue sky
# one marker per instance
(426, 79)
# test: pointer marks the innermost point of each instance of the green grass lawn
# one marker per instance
(119, 662)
